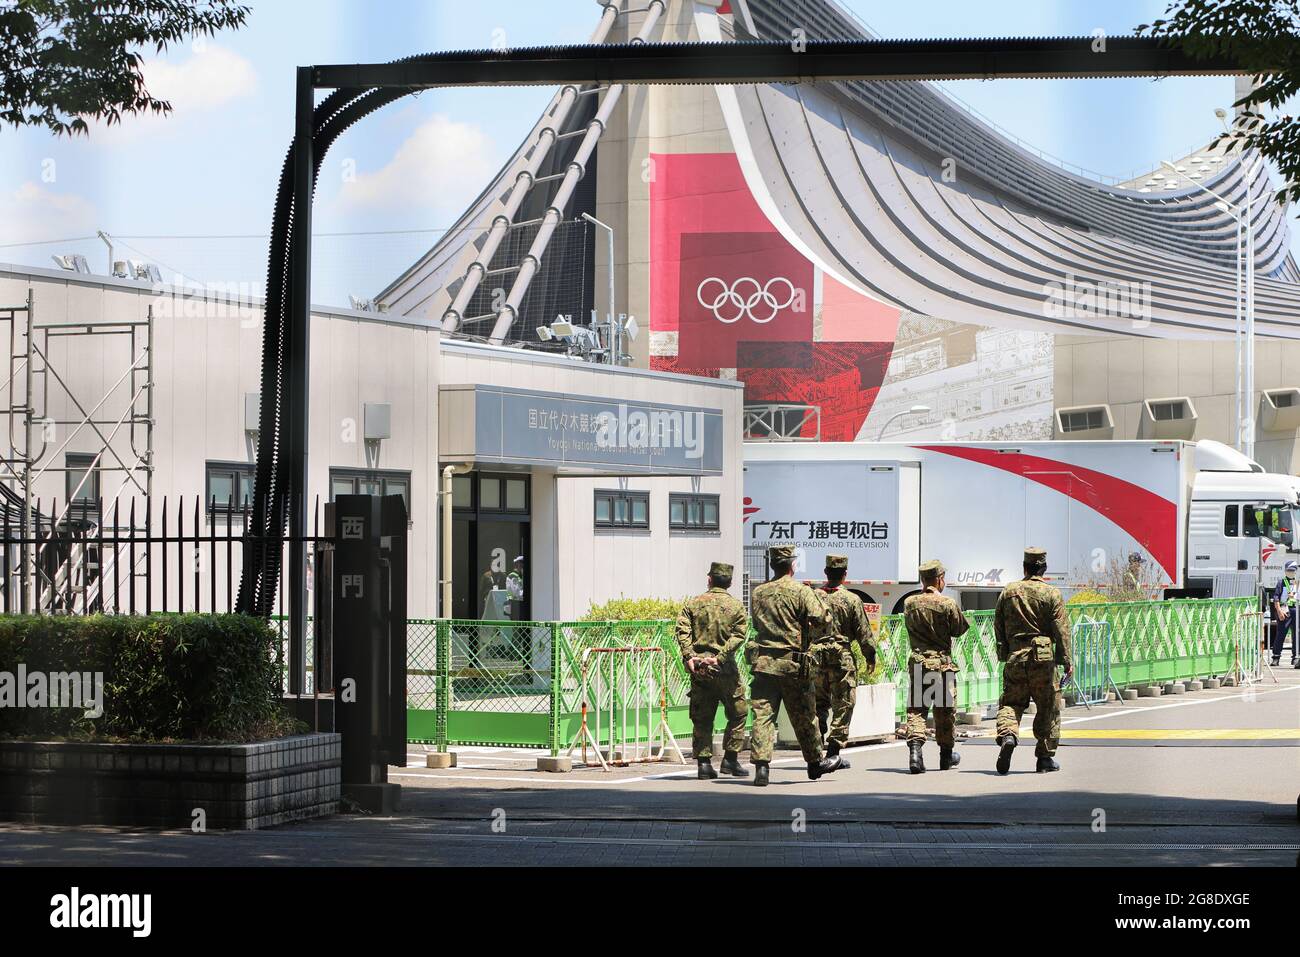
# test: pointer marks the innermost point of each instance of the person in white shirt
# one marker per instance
(515, 586)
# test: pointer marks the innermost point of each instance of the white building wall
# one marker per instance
(575, 565)
(205, 361)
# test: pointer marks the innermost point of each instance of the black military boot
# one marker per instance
(915, 759)
(948, 758)
(833, 750)
(731, 765)
(825, 766)
(1004, 756)
(760, 774)
(706, 772)
(1046, 763)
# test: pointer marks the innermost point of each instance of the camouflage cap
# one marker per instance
(1035, 556)
(781, 553)
(932, 567)
(720, 570)
(837, 563)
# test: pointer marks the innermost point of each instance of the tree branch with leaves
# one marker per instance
(66, 61)
(1263, 36)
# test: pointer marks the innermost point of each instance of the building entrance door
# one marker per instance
(490, 544)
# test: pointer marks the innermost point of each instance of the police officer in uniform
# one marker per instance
(933, 620)
(837, 672)
(1284, 614)
(710, 630)
(1033, 637)
(789, 619)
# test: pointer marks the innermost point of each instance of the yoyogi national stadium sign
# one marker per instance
(528, 427)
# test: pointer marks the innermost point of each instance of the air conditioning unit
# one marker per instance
(1171, 418)
(1079, 422)
(1279, 410)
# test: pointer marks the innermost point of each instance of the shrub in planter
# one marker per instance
(165, 677)
(636, 609)
(1087, 596)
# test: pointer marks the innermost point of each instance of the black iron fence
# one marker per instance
(133, 557)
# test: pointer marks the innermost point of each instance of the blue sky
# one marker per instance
(210, 169)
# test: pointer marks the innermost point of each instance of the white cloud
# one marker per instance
(442, 163)
(33, 212)
(201, 83)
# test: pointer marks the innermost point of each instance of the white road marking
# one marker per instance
(863, 845)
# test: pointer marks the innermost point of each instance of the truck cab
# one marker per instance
(1241, 525)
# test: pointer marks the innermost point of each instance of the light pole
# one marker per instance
(1241, 266)
(914, 410)
(1248, 422)
(615, 333)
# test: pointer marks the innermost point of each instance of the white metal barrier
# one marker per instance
(1248, 664)
(625, 706)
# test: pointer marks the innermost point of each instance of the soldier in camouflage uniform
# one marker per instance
(837, 672)
(789, 618)
(933, 620)
(710, 629)
(1033, 637)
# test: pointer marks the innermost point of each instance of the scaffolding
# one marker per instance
(50, 417)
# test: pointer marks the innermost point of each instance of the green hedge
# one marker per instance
(636, 609)
(165, 677)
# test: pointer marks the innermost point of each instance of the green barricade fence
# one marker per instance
(518, 684)
(1151, 642)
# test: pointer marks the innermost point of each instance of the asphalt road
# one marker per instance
(1208, 778)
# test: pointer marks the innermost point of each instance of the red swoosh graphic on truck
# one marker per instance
(1151, 519)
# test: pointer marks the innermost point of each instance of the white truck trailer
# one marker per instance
(1204, 519)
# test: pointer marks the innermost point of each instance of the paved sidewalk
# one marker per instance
(1208, 778)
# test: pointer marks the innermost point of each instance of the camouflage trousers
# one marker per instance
(929, 688)
(1021, 681)
(707, 692)
(767, 692)
(836, 686)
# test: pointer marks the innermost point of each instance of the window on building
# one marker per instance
(1168, 411)
(475, 492)
(1230, 521)
(371, 482)
(1082, 420)
(81, 486)
(622, 509)
(462, 491)
(693, 512)
(229, 485)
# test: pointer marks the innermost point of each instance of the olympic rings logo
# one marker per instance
(742, 296)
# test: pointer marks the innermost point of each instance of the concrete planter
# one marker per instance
(873, 717)
(237, 786)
